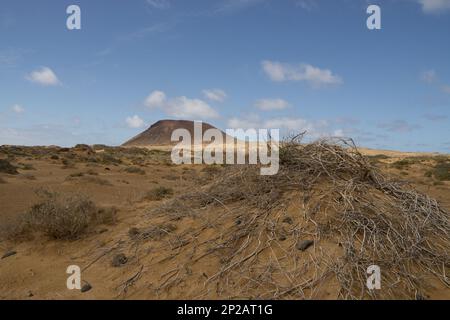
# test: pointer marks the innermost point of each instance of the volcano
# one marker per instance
(160, 133)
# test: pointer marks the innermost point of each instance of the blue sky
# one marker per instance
(290, 64)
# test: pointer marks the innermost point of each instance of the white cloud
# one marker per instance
(135, 122)
(316, 77)
(18, 108)
(181, 107)
(271, 104)
(156, 99)
(434, 6)
(250, 121)
(159, 4)
(314, 129)
(446, 88)
(217, 95)
(429, 76)
(44, 76)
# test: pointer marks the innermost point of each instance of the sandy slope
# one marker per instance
(38, 270)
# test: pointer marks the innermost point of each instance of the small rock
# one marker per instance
(119, 260)
(86, 287)
(102, 230)
(303, 245)
(9, 254)
(30, 294)
(282, 237)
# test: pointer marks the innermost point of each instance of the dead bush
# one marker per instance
(158, 193)
(26, 166)
(80, 176)
(58, 216)
(135, 170)
(356, 215)
(212, 169)
(7, 167)
(442, 171)
(97, 180)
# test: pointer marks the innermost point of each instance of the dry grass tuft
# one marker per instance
(134, 170)
(59, 217)
(7, 167)
(158, 193)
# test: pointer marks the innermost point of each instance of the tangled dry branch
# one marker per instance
(328, 192)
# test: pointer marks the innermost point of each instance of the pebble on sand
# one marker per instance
(303, 245)
(86, 287)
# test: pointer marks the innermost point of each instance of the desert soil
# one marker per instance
(38, 269)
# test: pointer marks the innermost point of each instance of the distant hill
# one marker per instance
(160, 133)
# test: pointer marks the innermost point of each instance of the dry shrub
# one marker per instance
(67, 164)
(105, 216)
(158, 193)
(212, 169)
(97, 180)
(60, 217)
(356, 215)
(442, 171)
(152, 233)
(6, 167)
(135, 170)
(80, 176)
(26, 166)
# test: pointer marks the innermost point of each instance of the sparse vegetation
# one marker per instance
(26, 166)
(67, 164)
(327, 215)
(134, 170)
(442, 171)
(402, 164)
(369, 217)
(60, 217)
(76, 175)
(29, 176)
(377, 159)
(152, 233)
(158, 193)
(89, 177)
(97, 180)
(212, 169)
(6, 167)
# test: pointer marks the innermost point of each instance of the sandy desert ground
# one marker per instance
(158, 238)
